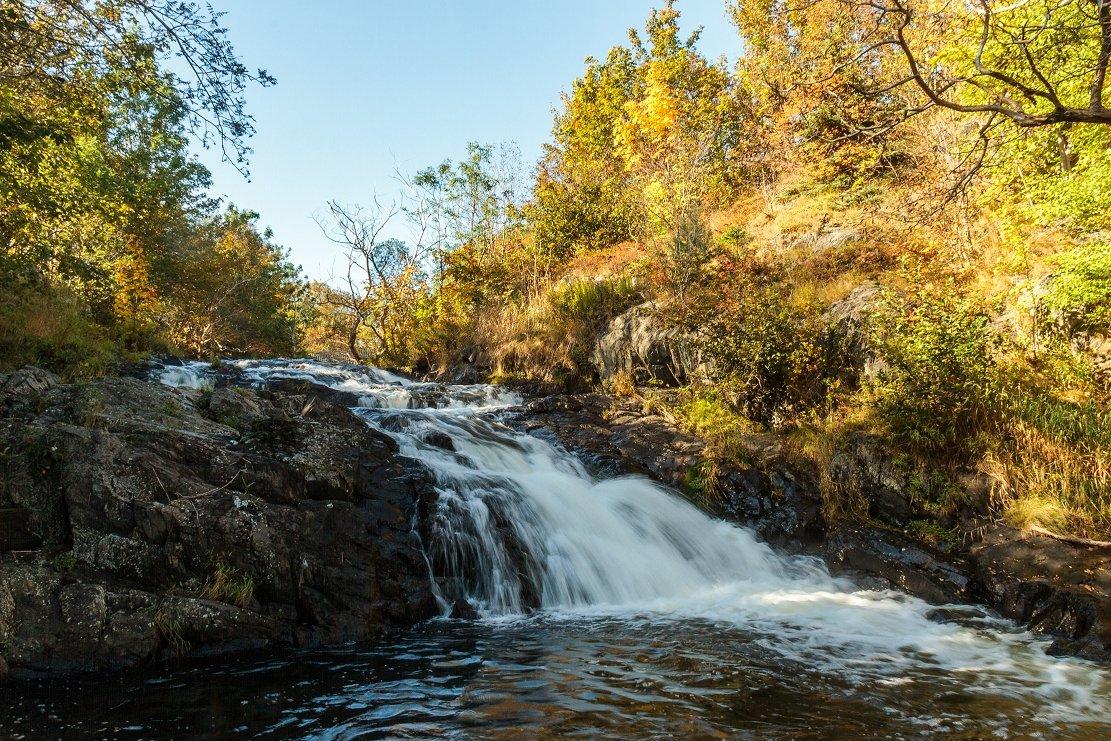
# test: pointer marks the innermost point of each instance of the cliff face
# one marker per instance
(142, 522)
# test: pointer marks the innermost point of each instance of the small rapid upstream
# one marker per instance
(653, 618)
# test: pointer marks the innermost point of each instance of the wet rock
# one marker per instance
(900, 561)
(235, 407)
(15, 530)
(461, 609)
(311, 390)
(783, 506)
(166, 522)
(1055, 587)
(438, 439)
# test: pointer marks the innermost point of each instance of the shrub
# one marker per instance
(706, 412)
(50, 328)
(938, 381)
(170, 627)
(699, 484)
(591, 303)
(1081, 290)
(688, 251)
(767, 351)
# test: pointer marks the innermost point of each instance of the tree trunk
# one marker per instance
(352, 345)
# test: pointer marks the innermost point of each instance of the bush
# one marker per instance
(688, 251)
(1081, 291)
(938, 382)
(49, 328)
(707, 413)
(592, 303)
(767, 351)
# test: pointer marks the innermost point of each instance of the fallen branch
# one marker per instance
(1070, 538)
(217, 489)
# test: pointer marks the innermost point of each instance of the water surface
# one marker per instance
(534, 679)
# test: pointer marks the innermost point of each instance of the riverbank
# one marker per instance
(1058, 588)
(147, 523)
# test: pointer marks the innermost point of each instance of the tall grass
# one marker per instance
(50, 328)
(550, 337)
(1055, 462)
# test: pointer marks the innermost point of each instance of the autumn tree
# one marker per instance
(652, 127)
(105, 211)
(383, 279)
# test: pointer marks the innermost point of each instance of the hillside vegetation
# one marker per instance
(965, 209)
(888, 219)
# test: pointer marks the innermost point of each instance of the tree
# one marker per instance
(651, 127)
(382, 277)
(1035, 63)
(104, 210)
(805, 67)
(55, 45)
(232, 291)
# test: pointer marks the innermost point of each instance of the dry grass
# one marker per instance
(549, 337)
(1055, 468)
(226, 584)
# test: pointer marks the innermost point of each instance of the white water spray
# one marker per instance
(520, 519)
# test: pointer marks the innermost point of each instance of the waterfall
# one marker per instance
(520, 524)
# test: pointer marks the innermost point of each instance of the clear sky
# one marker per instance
(366, 87)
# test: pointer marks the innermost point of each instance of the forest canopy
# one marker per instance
(110, 241)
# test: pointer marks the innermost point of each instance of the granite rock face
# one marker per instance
(639, 345)
(144, 522)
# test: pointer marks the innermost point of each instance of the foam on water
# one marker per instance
(516, 509)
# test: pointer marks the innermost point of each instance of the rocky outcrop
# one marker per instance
(641, 346)
(1054, 586)
(900, 562)
(150, 522)
(846, 323)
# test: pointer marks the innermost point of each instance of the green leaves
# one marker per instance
(937, 383)
(1081, 290)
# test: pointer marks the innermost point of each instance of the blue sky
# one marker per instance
(366, 88)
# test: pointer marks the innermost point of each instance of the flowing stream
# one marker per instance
(653, 619)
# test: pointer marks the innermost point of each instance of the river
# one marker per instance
(653, 620)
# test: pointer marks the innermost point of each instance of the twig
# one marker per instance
(218, 488)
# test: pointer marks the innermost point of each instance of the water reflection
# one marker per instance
(529, 679)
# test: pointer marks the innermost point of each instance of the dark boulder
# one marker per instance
(863, 466)
(461, 609)
(1054, 586)
(158, 522)
(903, 563)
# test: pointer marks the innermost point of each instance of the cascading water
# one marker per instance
(521, 523)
